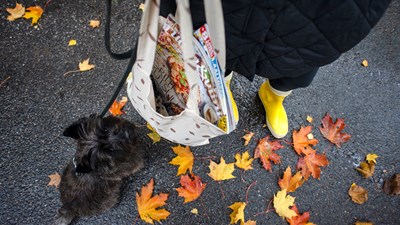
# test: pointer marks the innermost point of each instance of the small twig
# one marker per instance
(222, 191)
(205, 157)
(134, 222)
(266, 210)
(72, 71)
(1, 84)
(47, 3)
(287, 142)
(204, 208)
(248, 189)
(241, 177)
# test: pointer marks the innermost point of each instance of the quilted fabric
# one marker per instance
(287, 38)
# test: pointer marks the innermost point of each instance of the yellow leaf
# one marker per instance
(247, 137)
(154, 136)
(238, 212)
(244, 161)
(35, 12)
(94, 23)
(364, 63)
(72, 42)
(141, 7)
(250, 222)
(221, 171)
(195, 211)
(55, 180)
(309, 119)
(366, 169)
(310, 136)
(148, 206)
(371, 158)
(358, 194)
(15, 13)
(282, 202)
(85, 66)
(184, 159)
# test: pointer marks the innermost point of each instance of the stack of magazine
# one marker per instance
(170, 81)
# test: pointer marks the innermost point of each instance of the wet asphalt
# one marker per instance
(38, 102)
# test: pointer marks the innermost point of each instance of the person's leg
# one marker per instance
(273, 92)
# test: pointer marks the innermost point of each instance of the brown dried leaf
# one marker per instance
(55, 180)
(358, 194)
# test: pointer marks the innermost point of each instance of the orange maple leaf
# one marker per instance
(299, 219)
(332, 131)
(301, 141)
(192, 187)
(116, 107)
(147, 205)
(35, 12)
(309, 164)
(265, 151)
(247, 137)
(55, 180)
(290, 183)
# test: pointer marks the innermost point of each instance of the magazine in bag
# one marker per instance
(169, 77)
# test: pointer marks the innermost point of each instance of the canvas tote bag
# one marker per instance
(188, 127)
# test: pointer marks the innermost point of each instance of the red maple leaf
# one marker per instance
(332, 131)
(299, 219)
(192, 187)
(309, 164)
(265, 151)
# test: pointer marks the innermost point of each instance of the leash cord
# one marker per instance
(131, 54)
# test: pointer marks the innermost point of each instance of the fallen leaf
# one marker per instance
(282, 202)
(302, 143)
(184, 159)
(364, 63)
(238, 212)
(299, 219)
(309, 119)
(116, 107)
(85, 66)
(392, 186)
(247, 137)
(55, 180)
(290, 183)
(244, 161)
(72, 42)
(250, 222)
(15, 13)
(371, 158)
(265, 151)
(309, 164)
(141, 7)
(363, 223)
(94, 23)
(195, 211)
(366, 169)
(221, 171)
(154, 136)
(35, 12)
(147, 205)
(191, 189)
(358, 194)
(333, 131)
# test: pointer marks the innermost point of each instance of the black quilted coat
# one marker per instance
(286, 38)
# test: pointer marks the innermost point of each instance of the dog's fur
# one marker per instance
(107, 151)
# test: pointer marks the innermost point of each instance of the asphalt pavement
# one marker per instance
(38, 102)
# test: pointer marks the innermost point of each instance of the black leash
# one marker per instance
(131, 54)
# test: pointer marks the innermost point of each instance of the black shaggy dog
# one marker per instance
(107, 151)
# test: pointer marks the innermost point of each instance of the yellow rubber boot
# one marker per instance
(227, 80)
(276, 117)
